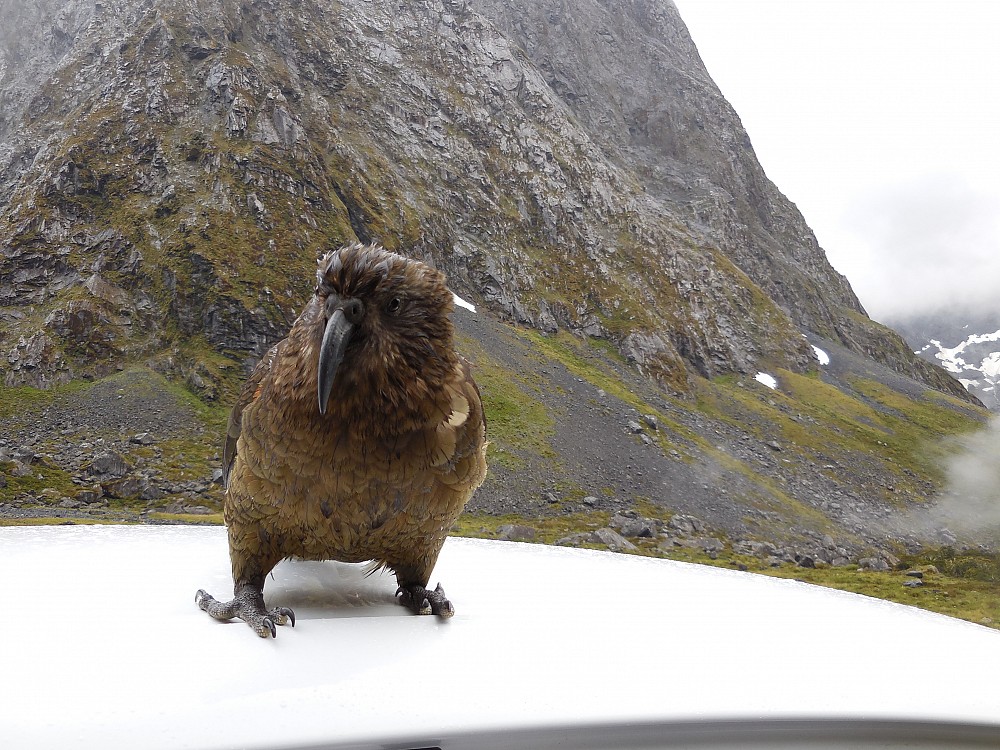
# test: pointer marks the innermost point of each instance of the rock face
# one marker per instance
(170, 170)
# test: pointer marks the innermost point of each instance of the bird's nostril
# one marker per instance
(353, 310)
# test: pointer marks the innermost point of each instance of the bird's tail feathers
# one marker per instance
(374, 567)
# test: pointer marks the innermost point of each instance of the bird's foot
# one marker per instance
(424, 602)
(248, 605)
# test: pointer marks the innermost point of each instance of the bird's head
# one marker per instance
(385, 328)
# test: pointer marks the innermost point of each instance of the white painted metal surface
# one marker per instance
(103, 646)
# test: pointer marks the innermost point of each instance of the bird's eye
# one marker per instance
(394, 305)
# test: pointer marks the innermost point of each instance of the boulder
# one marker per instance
(613, 540)
(108, 465)
(873, 563)
(633, 527)
(516, 533)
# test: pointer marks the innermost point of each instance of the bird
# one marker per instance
(359, 437)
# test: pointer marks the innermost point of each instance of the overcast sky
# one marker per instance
(880, 120)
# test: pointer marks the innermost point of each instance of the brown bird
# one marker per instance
(359, 437)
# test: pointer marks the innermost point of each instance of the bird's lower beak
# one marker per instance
(331, 352)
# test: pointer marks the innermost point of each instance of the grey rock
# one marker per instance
(708, 544)
(913, 583)
(873, 563)
(575, 540)
(150, 492)
(686, 524)
(142, 438)
(643, 528)
(25, 455)
(754, 548)
(613, 540)
(946, 536)
(87, 497)
(108, 465)
(516, 533)
(605, 537)
(634, 427)
(124, 488)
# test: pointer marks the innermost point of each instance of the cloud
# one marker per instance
(924, 246)
(970, 504)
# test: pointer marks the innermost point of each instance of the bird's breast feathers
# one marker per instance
(300, 458)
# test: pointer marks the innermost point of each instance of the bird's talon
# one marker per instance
(248, 605)
(431, 602)
(282, 616)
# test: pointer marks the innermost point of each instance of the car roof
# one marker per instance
(104, 646)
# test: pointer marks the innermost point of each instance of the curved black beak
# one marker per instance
(331, 353)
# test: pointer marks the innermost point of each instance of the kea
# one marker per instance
(359, 437)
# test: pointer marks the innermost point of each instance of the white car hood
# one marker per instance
(105, 647)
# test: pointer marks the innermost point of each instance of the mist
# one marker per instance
(969, 506)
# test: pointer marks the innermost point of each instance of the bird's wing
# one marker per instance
(461, 437)
(249, 393)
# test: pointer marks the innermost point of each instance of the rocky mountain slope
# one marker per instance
(169, 172)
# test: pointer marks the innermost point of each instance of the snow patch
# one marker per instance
(991, 365)
(951, 359)
(769, 380)
(462, 303)
(823, 357)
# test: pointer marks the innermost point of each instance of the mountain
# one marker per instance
(170, 169)
(169, 172)
(967, 345)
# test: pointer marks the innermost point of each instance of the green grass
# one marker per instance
(53, 521)
(957, 596)
(208, 519)
(592, 364)
(190, 453)
(519, 426)
(548, 529)
(15, 401)
(53, 482)
(873, 426)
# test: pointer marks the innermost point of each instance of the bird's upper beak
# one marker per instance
(339, 326)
